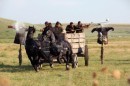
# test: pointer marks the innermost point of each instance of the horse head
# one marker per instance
(102, 34)
(30, 31)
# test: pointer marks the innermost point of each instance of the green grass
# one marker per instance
(26, 76)
(116, 56)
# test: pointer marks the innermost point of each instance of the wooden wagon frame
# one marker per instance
(79, 45)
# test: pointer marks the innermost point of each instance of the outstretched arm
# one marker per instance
(94, 29)
(86, 26)
(110, 28)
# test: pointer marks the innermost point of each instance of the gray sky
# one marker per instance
(39, 11)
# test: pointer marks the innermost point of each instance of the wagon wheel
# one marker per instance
(86, 57)
(61, 60)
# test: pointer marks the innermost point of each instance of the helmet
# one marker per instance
(58, 23)
(46, 22)
(79, 22)
(71, 23)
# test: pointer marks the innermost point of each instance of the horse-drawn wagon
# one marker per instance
(77, 41)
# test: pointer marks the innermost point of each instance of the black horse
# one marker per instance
(102, 34)
(33, 50)
(61, 50)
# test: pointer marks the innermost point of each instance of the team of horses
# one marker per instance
(37, 56)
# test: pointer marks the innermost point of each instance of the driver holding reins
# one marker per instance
(57, 30)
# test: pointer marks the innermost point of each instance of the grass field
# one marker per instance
(117, 57)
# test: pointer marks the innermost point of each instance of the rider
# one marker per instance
(57, 30)
(80, 27)
(46, 28)
(70, 28)
(50, 26)
(47, 34)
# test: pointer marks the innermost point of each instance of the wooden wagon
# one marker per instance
(78, 43)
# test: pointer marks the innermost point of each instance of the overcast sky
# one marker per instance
(39, 11)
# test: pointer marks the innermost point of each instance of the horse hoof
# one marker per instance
(36, 68)
(67, 67)
(40, 66)
(74, 65)
(51, 66)
(77, 65)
